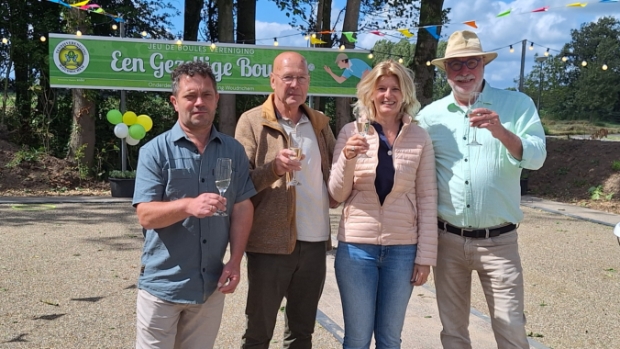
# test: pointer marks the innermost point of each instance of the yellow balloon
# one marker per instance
(145, 121)
(129, 118)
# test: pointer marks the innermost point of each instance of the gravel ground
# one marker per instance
(68, 273)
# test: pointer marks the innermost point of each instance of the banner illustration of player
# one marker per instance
(352, 67)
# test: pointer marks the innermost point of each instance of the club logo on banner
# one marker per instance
(71, 57)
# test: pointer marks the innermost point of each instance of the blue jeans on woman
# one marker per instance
(375, 287)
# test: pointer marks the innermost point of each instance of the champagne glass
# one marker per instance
(475, 101)
(362, 124)
(223, 173)
(295, 142)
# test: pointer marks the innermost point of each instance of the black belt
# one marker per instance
(477, 233)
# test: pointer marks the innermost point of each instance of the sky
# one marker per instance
(550, 29)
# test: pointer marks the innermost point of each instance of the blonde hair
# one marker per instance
(366, 89)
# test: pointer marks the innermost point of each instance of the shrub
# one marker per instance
(122, 174)
(615, 165)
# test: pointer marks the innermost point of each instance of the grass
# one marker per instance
(579, 127)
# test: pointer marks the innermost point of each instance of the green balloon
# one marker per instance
(114, 116)
(137, 131)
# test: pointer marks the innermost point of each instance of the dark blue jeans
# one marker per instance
(375, 287)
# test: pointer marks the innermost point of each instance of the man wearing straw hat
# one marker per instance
(479, 193)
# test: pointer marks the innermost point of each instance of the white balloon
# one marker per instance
(121, 130)
(131, 141)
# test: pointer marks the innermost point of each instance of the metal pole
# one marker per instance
(540, 85)
(123, 110)
(522, 73)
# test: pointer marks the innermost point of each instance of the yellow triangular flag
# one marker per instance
(577, 4)
(80, 4)
(471, 24)
(405, 32)
(315, 41)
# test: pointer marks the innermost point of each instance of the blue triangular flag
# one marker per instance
(433, 32)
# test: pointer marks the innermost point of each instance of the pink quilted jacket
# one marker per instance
(409, 212)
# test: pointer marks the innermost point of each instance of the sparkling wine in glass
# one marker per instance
(362, 124)
(223, 173)
(475, 101)
(295, 144)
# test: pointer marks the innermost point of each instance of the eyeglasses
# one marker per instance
(288, 79)
(457, 65)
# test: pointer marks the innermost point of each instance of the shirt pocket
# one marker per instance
(179, 183)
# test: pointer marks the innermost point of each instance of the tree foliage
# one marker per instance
(573, 91)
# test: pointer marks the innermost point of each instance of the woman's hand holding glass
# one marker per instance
(356, 145)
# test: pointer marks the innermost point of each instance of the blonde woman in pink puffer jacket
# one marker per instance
(387, 238)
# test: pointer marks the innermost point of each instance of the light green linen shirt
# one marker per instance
(478, 186)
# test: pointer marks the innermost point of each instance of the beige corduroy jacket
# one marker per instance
(274, 229)
(409, 213)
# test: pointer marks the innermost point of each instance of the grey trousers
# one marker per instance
(299, 277)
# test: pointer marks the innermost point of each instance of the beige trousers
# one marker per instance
(497, 262)
(166, 325)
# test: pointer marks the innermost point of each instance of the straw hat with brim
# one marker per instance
(462, 44)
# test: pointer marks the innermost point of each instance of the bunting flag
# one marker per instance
(326, 32)
(542, 9)
(60, 3)
(80, 4)
(83, 5)
(433, 32)
(577, 4)
(471, 24)
(349, 36)
(376, 32)
(406, 32)
(504, 14)
(315, 41)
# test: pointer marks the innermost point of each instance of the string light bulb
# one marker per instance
(179, 42)
(604, 67)
(400, 60)
(143, 33)
(78, 33)
(114, 27)
(306, 37)
(43, 38)
(512, 49)
(341, 47)
(547, 53)
(275, 42)
(428, 63)
(584, 63)
(212, 46)
(564, 59)
(531, 46)
(370, 55)
(5, 40)
(314, 35)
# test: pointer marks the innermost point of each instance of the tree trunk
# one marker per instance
(227, 104)
(351, 19)
(82, 141)
(191, 19)
(426, 49)
(246, 22)
(20, 45)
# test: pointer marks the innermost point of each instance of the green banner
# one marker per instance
(139, 64)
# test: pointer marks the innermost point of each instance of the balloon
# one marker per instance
(131, 141)
(114, 116)
(121, 130)
(145, 121)
(129, 118)
(137, 131)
